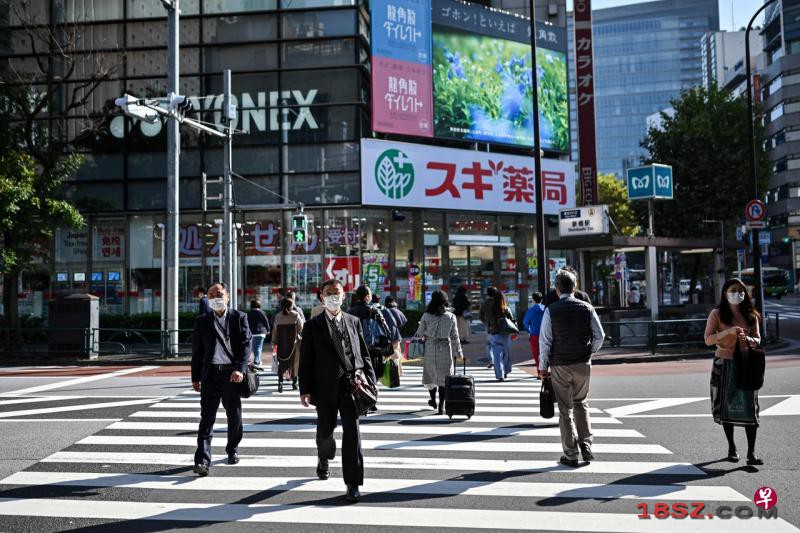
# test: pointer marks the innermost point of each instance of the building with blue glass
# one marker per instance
(645, 54)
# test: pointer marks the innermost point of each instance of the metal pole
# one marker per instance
(757, 282)
(173, 173)
(227, 194)
(161, 229)
(541, 252)
(722, 240)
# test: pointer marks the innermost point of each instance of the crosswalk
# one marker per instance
(497, 471)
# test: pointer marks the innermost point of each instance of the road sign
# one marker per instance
(650, 181)
(764, 237)
(756, 224)
(755, 211)
(588, 220)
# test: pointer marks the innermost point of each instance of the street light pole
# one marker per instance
(758, 288)
(227, 271)
(173, 172)
(541, 252)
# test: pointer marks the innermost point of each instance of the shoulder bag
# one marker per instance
(748, 366)
(249, 385)
(365, 393)
(507, 326)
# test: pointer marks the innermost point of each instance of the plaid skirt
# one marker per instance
(729, 404)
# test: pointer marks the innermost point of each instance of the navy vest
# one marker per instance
(571, 322)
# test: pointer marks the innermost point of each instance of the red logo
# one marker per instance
(766, 498)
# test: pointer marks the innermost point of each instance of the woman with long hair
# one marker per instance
(461, 308)
(499, 341)
(733, 321)
(439, 331)
(287, 336)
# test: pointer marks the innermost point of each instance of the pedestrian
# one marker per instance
(259, 328)
(635, 297)
(533, 322)
(287, 337)
(400, 320)
(733, 320)
(552, 297)
(570, 333)
(366, 311)
(220, 353)
(439, 330)
(290, 295)
(500, 341)
(487, 304)
(334, 348)
(461, 308)
(202, 305)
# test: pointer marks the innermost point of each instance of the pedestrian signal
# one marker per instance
(300, 229)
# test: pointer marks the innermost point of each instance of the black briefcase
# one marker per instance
(249, 385)
(547, 399)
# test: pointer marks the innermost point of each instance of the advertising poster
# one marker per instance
(402, 175)
(346, 269)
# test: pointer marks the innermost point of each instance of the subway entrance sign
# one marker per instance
(650, 181)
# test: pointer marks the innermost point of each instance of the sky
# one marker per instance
(730, 19)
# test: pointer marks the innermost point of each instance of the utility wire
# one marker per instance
(258, 185)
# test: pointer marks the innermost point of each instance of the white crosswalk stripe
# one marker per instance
(494, 471)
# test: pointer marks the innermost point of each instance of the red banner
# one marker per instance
(584, 75)
(347, 269)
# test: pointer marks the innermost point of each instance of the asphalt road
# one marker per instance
(110, 449)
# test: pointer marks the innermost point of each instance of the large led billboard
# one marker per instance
(479, 64)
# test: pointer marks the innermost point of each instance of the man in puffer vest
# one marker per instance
(569, 335)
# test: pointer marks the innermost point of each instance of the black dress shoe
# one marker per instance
(568, 462)
(373, 409)
(733, 455)
(586, 453)
(323, 470)
(280, 386)
(490, 365)
(754, 460)
(200, 470)
(233, 458)
(441, 408)
(432, 403)
(352, 494)
(294, 384)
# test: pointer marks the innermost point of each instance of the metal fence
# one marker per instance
(24, 343)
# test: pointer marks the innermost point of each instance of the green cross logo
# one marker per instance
(394, 174)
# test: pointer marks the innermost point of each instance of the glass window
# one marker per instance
(303, 4)
(95, 196)
(325, 188)
(262, 258)
(404, 247)
(332, 86)
(246, 160)
(252, 190)
(240, 29)
(319, 24)
(91, 10)
(153, 62)
(323, 157)
(250, 57)
(154, 33)
(154, 8)
(326, 124)
(150, 194)
(303, 262)
(98, 36)
(100, 167)
(319, 54)
(34, 12)
(191, 192)
(234, 6)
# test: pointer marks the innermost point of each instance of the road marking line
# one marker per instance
(652, 405)
(15, 420)
(79, 381)
(789, 406)
(367, 444)
(425, 416)
(515, 489)
(692, 415)
(388, 429)
(66, 408)
(381, 406)
(367, 515)
(40, 399)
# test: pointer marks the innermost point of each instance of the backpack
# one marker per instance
(377, 334)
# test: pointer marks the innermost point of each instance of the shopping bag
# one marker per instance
(416, 348)
(390, 377)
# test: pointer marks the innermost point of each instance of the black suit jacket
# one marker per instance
(204, 343)
(319, 366)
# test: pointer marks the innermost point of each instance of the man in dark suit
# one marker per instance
(333, 348)
(202, 305)
(220, 353)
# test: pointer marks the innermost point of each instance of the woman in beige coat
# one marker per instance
(286, 335)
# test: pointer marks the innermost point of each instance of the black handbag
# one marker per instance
(249, 385)
(547, 399)
(365, 393)
(749, 366)
(507, 326)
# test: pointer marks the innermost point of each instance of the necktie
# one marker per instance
(338, 344)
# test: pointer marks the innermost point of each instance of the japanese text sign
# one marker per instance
(403, 175)
(584, 74)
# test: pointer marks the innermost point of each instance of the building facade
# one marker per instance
(780, 85)
(645, 55)
(301, 76)
(723, 52)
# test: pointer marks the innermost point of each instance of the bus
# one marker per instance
(776, 281)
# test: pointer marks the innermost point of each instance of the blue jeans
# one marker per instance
(258, 344)
(500, 349)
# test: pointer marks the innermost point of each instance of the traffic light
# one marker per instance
(300, 229)
(787, 239)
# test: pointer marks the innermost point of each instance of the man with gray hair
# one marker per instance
(569, 335)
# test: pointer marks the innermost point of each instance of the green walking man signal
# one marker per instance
(300, 228)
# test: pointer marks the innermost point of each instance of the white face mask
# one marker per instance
(734, 298)
(333, 302)
(217, 304)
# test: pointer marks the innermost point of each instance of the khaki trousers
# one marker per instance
(571, 386)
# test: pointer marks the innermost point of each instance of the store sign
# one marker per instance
(584, 93)
(404, 175)
(376, 268)
(346, 269)
(71, 245)
(109, 243)
(588, 220)
(253, 113)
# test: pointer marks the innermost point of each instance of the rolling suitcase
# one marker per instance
(459, 394)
